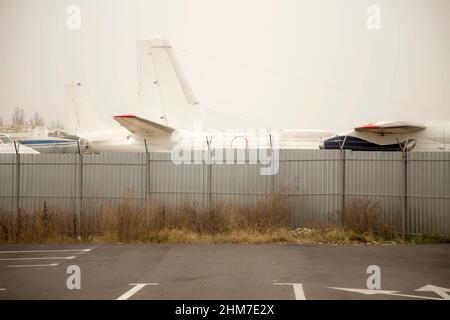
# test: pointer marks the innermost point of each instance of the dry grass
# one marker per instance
(365, 216)
(360, 221)
(339, 235)
(266, 222)
(37, 227)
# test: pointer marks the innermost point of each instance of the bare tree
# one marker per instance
(18, 117)
(1, 121)
(57, 125)
(37, 120)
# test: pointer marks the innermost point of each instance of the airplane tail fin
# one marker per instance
(79, 115)
(163, 87)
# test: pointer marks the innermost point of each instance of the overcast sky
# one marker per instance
(286, 63)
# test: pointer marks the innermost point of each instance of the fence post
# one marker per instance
(405, 194)
(343, 178)
(75, 219)
(272, 187)
(147, 175)
(209, 177)
(272, 180)
(17, 195)
(209, 181)
(80, 218)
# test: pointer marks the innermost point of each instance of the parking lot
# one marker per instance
(201, 271)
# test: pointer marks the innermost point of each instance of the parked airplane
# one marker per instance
(7, 145)
(170, 110)
(96, 135)
(166, 97)
(52, 145)
(394, 136)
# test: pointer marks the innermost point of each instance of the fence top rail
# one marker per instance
(26, 163)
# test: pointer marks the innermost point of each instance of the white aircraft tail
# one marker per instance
(79, 115)
(164, 92)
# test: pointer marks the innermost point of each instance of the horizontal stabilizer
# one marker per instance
(392, 127)
(142, 126)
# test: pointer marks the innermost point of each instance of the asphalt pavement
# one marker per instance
(224, 271)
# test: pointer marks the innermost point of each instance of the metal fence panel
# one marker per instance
(7, 182)
(240, 184)
(110, 177)
(429, 193)
(49, 178)
(314, 184)
(312, 180)
(377, 177)
(175, 185)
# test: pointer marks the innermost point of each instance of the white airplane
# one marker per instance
(178, 118)
(394, 136)
(165, 97)
(51, 145)
(95, 134)
(7, 145)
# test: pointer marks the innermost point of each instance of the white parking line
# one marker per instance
(32, 265)
(136, 288)
(39, 258)
(46, 251)
(298, 290)
(385, 292)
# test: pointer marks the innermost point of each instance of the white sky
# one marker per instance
(286, 63)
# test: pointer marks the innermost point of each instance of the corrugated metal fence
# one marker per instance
(411, 190)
